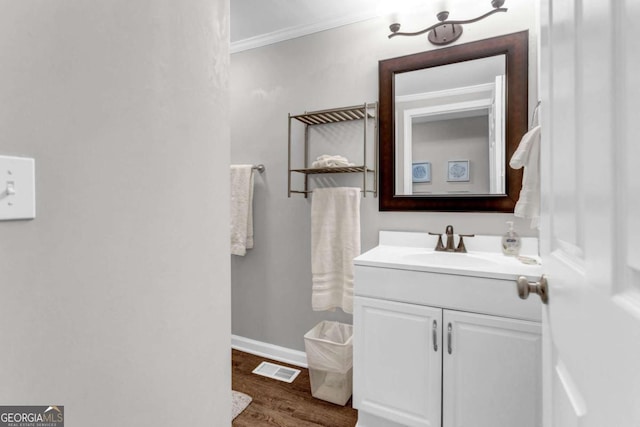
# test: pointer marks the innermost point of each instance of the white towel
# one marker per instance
(335, 242)
(528, 156)
(327, 161)
(241, 209)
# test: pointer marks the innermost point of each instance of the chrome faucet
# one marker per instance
(440, 247)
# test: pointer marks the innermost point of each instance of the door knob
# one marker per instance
(541, 288)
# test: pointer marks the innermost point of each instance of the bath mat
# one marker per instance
(240, 401)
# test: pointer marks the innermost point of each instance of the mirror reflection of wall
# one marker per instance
(442, 141)
(448, 113)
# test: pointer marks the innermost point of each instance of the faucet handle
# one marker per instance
(461, 247)
(440, 245)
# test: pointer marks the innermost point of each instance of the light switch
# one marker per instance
(17, 188)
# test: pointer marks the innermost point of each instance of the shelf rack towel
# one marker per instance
(364, 112)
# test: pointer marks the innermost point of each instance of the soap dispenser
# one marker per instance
(511, 241)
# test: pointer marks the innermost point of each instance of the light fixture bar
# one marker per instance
(445, 31)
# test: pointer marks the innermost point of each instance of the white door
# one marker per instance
(398, 361)
(491, 371)
(590, 229)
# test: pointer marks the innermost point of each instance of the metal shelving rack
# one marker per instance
(364, 112)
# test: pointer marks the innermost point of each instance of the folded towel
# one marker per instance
(327, 161)
(241, 209)
(335, 242)
(528, 156)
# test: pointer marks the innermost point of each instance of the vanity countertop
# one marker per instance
(415, 251)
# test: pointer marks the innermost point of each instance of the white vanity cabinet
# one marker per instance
(492, 371)
(439, 349)
(397, 361)
(411, 362)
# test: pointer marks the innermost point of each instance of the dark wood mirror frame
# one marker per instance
(515, 47)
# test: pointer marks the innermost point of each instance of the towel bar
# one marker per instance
(259, 168)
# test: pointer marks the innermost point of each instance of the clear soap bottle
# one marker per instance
(511, 241)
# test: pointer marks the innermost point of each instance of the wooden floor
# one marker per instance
(276, 403)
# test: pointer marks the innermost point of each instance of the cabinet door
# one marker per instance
(492, 371)
(398, 361)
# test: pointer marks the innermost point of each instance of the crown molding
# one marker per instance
(297, 31)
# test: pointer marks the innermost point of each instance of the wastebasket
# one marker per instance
(329, 349)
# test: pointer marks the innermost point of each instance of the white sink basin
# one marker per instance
(414, 251)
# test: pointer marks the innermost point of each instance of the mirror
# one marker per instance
(450, 129)
(450, 119)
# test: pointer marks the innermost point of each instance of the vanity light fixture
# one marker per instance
(445, 32)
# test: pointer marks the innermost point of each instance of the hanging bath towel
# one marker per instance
(335, 242)
(528, 156)
(241, 209)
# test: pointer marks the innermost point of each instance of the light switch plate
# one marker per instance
(17, 188)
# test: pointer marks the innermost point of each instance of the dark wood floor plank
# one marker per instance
(279, 404)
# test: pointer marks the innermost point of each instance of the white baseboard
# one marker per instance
(270, 351)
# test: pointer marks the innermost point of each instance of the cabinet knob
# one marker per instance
(541, 288)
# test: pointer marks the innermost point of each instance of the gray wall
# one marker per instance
(115, 299)
(271, 285)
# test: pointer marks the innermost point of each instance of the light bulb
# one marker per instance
(442, 5)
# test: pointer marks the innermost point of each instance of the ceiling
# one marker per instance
(256, 23)
(252, 18)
